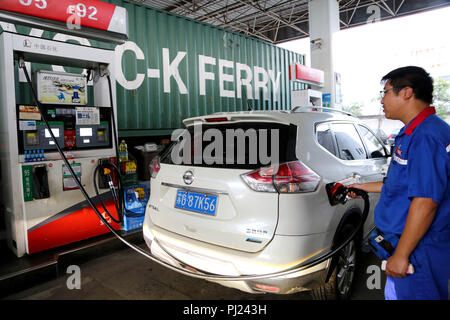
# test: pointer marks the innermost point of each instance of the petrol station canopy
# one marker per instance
(278, 21)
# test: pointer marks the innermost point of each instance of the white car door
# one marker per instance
(364, 157)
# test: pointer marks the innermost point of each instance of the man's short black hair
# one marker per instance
(414, 77)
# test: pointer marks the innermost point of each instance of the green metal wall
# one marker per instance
(146, 109)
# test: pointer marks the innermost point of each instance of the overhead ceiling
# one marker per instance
(278, 21)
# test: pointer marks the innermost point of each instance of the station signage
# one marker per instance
(298, 72)
(74, 14)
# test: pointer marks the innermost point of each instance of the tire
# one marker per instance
(340, 284)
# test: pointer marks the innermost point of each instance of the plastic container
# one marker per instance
(132, 223)
(123, 151)
(128, 173)
(143, 159)
(135, 201)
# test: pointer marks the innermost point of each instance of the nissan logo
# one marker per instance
(188, 177)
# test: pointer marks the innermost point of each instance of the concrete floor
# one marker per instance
(123, 274)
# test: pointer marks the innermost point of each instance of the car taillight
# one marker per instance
(292, 177)
(154, 166)
(260, 180)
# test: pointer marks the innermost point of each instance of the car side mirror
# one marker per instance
(389, 151)
(377, 154)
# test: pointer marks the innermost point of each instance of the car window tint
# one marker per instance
(348, 142)
(373, 144)
(243, 145)
(325, 137)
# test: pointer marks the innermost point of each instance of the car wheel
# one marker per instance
(340, 284)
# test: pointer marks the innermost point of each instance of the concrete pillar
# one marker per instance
(323, 25)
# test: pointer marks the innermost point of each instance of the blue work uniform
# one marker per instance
(420, 167)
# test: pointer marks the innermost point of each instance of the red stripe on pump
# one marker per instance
(76, 226)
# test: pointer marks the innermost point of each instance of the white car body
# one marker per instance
(257, 233)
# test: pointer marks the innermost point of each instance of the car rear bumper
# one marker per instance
(279, 285)
(186, 253)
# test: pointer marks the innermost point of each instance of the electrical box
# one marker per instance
(306, 98)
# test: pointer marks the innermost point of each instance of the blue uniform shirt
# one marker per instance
(420, 167)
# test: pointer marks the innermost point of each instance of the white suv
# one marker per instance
(240, 216)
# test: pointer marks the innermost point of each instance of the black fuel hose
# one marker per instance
(116, 200)
(304, 265)
(113, 117)
(200, 274)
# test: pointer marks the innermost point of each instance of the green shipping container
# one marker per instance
(174, 68)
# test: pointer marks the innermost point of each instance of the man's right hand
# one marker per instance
(356, 186)
(367, 187)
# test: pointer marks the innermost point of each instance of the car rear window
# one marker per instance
(239, 145)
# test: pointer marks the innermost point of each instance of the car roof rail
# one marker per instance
(322, 109)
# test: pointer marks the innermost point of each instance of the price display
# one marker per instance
(88, 13)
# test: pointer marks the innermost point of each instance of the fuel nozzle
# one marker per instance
(107, 173)
(337, 193)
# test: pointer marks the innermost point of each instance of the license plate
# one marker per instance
(196, 202)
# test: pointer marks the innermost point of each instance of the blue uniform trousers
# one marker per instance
(431, 279)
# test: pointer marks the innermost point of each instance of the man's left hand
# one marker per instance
(397, 266)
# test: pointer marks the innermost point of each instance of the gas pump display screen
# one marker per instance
(70, 134)
(94, 135)
(85, 132)
(40, 138)
(55, 133)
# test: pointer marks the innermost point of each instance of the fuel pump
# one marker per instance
(44, 206)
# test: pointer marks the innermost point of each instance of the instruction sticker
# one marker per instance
(29, 113)
(27, 125)
(87, 115)
(27, 183)
(68, 182)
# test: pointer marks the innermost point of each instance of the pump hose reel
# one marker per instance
(338, 195)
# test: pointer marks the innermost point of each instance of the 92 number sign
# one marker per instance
(80, 9)
(86, 13)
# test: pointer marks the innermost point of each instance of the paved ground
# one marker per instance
(125, 274)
